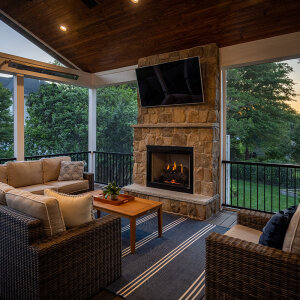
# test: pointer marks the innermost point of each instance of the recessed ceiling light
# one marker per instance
(134, 1)
(63, 28)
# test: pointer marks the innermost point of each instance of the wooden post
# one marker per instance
(92, 128)
(222, 137)
(19, 117)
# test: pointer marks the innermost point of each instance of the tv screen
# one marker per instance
(172, 83)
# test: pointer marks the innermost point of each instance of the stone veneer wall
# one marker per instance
(194, 126)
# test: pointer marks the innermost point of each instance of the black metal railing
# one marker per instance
(4, 160)
(113, 167)
(75, 156)
(261, 186)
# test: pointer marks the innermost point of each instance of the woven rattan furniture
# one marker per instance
(237, 269)
(74, 265)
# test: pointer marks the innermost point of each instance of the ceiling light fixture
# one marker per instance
(63, 28)
(134, 1)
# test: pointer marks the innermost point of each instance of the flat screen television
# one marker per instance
(173, 83)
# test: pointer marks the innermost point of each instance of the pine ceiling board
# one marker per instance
(117, 33)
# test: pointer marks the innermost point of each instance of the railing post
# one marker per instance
(92, 128)
(19, 117)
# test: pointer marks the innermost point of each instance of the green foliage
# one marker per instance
(57, 120)
(6, 123)
(111, 189)
(259, 117)
(116, 112)
(295, 136)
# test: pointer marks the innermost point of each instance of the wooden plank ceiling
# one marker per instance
(115, 34)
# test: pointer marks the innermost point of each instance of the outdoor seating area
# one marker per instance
(149, 150)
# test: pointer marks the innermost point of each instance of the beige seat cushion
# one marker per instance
(3, 173)
(51, 167)
(3, 189)
(44, 208)
(244, 233)
(24, 173)
(76, 210)
(291, 241)
(70, 186)
(37, 189)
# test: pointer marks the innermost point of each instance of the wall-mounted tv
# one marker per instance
(173, 83)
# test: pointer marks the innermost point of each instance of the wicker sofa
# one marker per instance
(240, 269)
(38, 175)
(73, 265)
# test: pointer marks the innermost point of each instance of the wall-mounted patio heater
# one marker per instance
(42, 70)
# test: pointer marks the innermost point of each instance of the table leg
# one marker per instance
(98, 213)
(132, 234)
(159, 216)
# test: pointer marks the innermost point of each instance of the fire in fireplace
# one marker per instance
(170, 167)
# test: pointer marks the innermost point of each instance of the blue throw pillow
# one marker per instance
(274, 231)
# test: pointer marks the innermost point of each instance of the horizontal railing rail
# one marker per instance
(265, 187)
(75, 156)
(4, 160)
(111, 166)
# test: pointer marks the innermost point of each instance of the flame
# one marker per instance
(174, 166)
(181, 168)
(168, 167)
(173, 181)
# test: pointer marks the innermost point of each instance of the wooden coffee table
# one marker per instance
(131, 210)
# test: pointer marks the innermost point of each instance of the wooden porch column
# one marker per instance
(92, 128)
(223, 138)
(19, 117)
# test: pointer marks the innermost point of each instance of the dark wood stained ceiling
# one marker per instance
(117, 33)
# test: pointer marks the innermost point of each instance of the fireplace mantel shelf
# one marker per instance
(177, 125)
(160, 193)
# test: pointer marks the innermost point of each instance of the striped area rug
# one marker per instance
(171, 267)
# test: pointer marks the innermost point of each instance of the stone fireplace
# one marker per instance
(192, 188)
(170, 168)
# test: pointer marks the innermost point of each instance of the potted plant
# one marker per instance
(112, 190)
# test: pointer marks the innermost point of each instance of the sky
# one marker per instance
(16, 44)
(295, 75)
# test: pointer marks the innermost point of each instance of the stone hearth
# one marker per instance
(194, 126)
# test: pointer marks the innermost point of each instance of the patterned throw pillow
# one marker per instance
(71, 170)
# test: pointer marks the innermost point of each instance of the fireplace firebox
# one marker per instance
(170, 167)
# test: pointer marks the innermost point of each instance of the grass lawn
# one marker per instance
(241, 196)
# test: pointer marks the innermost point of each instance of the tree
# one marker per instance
(116, 112)
(295, 136)
(259, 116)
(6, 123)
(57, 120)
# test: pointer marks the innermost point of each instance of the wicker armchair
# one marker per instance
(237, 269)
(72, 265)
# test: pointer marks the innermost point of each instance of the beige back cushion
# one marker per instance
(51, 167)
(24, 173)
(3, 173)
(3, 189)
(291, 241)
(76, 210)
(44, 208)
